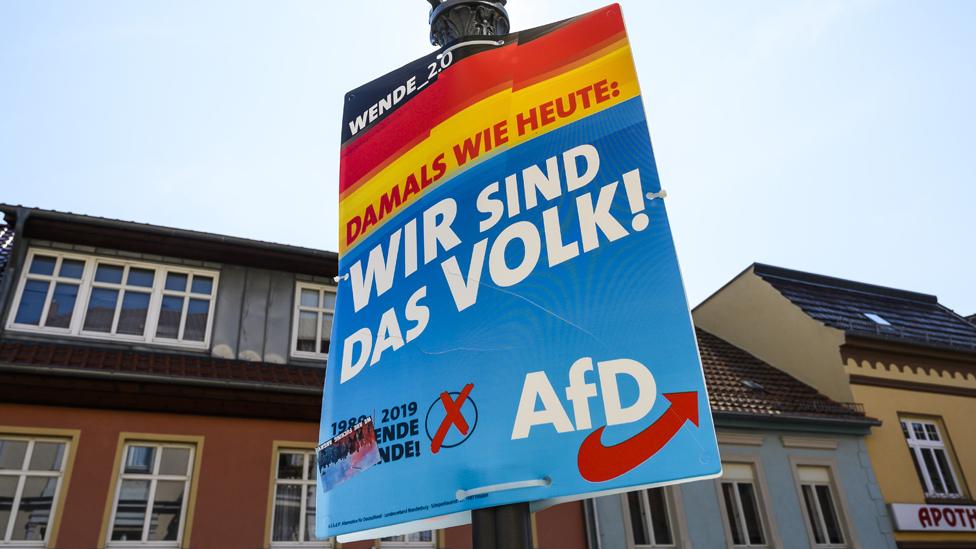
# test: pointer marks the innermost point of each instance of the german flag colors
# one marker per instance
(475, 108)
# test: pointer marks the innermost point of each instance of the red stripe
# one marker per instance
(471, 80)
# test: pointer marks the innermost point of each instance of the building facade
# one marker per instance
(162, 388)
(794, 472)
(910, 360)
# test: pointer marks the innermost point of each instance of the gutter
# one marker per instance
(789, 418)
(956, 349)
(165, 380)
(169, 231)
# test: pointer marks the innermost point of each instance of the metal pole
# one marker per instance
(505, 526)
(483, 533)
(513, 526)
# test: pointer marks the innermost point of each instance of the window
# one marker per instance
(185, 306)
(150, 499)
(293, 516)
(877, 319)
(742, 504)
(931, 457)
(820, 506)
(98, 297)
(416, 539)
(314, 307)
(119, 299)
(49, 291)
(31, 470)
(650, 518)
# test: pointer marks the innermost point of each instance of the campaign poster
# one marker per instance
(510, 314)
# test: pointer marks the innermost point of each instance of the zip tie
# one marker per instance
(471, 43)
(461, 495)
(651, 196)
(340, 278)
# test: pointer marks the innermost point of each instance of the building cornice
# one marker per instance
(915, 386)
(743, 420)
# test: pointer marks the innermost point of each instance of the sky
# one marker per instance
(836, 137)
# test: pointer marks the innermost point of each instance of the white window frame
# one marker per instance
(591, 517)
(122, 288)
(87, 283)
(153, 479)
(410, 544)
(23, 473)
(52, 280)
(304, 483)
(916, 445)
(837, 497)
(319, 311)
(762, 502)
(670, 509)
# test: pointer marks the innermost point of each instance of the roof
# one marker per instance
(78, 360)
(168, 241)
(6, 246)
(740, 383)
(908, 317)
(737, 381)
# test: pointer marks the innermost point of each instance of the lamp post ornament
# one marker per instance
(451, 20)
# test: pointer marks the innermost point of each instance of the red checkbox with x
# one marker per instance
(453, 417)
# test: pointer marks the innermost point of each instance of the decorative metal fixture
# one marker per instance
(452, 20)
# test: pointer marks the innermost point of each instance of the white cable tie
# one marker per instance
(471, 43)
(660, 194)
(340, 278)
(534, 483)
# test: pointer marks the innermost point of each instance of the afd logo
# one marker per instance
(598, 462)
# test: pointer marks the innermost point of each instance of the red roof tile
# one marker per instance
(189, 369)
(741, 383)
(737, 381)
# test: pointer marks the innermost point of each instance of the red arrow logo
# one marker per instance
(599, 463)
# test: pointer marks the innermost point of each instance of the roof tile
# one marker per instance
(164, 365)
(845, 305)
(739, 382)
(772, 392)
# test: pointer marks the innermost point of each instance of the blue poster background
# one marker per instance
(624, 299)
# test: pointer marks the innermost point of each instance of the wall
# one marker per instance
(700, 507)
(233, 483)
(254, 315)
(560, 527)
(890, 455)
(752, 315)
(232, 494)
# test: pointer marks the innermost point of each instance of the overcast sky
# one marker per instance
(833, 137)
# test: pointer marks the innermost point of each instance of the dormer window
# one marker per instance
(110, 298)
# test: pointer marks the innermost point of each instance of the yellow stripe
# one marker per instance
(616, 66)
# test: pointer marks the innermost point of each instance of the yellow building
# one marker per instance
(908, 359)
